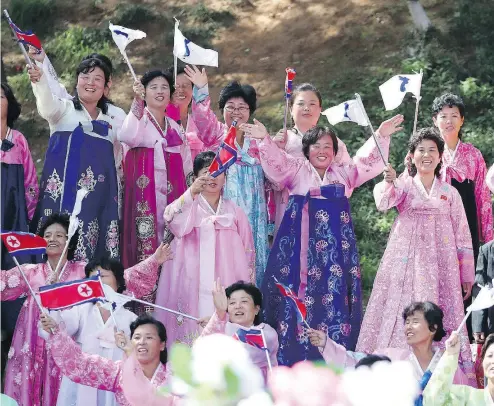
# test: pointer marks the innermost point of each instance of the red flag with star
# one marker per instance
(67, 294)
(18, 243)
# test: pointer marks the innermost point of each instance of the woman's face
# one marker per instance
(241, 308)
(426, 157)
(4, 106)
(417, 329)
(157, 93)
(215, 184)
(147, 343)
(306, 110)
(91, 86)
(183, 91)
(449, 122)
(321, 154)
(236, 109)
(107, 277)
(56, 237)
(488, 363)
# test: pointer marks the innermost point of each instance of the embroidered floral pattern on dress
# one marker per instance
(142, 182)
(87, 180)
(112, 239)
(13, 281)
(54, 186)
(145, 227)
(80, 250)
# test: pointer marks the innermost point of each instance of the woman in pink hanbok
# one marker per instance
(429, 255)
(146, 362)
(306, 106)
(32, 378)
(315, 252)
(155, 166)
(237, 308)
(213, 239)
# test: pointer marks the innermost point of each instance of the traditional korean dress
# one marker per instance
(32, 378)
(428, 256)
(315, 251)
(258, 356)
(19, 188)
(207, 245)
(80, 155)
(195, 144)
(155, 170)
(293, 147)
(245, 179)
(96, 371)
(86, 326)
(440, 390)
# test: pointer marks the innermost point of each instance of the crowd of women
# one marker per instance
(158, 226)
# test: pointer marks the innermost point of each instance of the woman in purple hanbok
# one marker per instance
(315, 251)
(80, 156)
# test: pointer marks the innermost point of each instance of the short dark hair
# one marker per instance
(252, 290)
(427, 133)
(450, 100)
(235, 89)
(153, 74)
(202, 160)
(371, 359)
(103, 58)
(64, 221)
(160, 328)
(488, 342)
(86, 66)
(432, 314)
(315, 134)
(109, 264)
(14, 107)
(305, 87)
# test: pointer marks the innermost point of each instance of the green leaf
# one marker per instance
(232, 382)
(180, 359)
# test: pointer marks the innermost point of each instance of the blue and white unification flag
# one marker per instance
(190, 53)
(393, 91)
(346, 111)
(123, 36)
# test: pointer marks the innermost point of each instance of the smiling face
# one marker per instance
(56, 237)
(241, 308)
(157, 93)
(449, 122)
(417, 329)
(91, 86)
(321, 153)
(215, 184)
(147, 343)
(236, 109)
(183, 91)
(488, 363)
(107, 277)
(306, 110)
(426, 157)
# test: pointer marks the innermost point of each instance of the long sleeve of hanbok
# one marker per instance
(279, 167)
(483, 199)
(245, 232)
(86, 369)
(463, 239)
(31, 186)
(51, 75)
(131, 134)
(335, 354)
(179, 215)
(216, 325)
(388, 195)
(210, 130)
(440, 390)
(50, 107)
(142, 277)
(12, 284)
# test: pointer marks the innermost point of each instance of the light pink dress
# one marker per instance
(195, 144)
(299, 176)
(32, 379)
(293, 147)
(207, 245)
(429, 254)
(334, 353)
(96, 371)
(20, 154)
(258, 356)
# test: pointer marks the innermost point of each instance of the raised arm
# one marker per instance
(56, 87)
(216, 325)
(332, 352)
(132, 132)
(12, 285)
(483, 199)
(390, 192)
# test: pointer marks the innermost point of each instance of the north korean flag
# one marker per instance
(227, 153)
(300, 308)
(18, 243)
(26, 37)
(252, 337)
(67, 294)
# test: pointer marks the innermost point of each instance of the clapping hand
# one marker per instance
(256, 130)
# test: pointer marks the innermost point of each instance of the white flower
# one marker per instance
(18, 378)
(25, 348)
(384, 384)
(211, 354)
(11, 352)
(13, 281)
